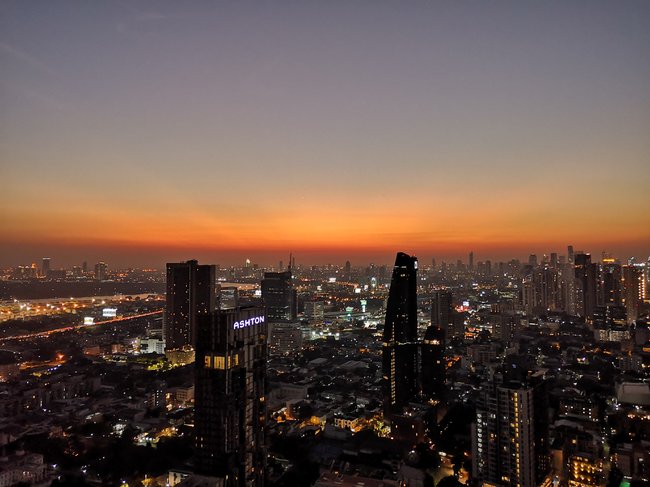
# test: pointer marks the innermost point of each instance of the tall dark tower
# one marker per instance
(586, 273)
(230, 407)
(279, 296)
(442, 311)
(433, 363)
(190, 293)
(471, 261)
(399, 355)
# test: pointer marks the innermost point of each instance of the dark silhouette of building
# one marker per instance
(433, 363)
(587, 280)
(400, 348)
(101, 269)
(510, 445)
(230, 407)
(442, 311)
(279, 296)
(45, 268)
(190, 293)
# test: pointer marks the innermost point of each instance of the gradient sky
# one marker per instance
(140, 132)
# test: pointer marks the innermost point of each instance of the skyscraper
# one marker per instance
(433, 363)
(399, 354)
(587, 280)
(442, 311)
(471, 261)
(230, 406)
(190, 293)
(45, 268)
(510, 437)
(279, 296)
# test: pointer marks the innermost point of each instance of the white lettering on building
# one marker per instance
(256, 320)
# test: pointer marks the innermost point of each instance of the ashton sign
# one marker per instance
(256, 320)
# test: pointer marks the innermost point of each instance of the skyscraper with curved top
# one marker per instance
(399, 354)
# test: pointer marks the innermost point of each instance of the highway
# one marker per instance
(80, 326)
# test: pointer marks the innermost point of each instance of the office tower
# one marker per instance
(471, 261)
(532, 260)
(84, 267)
(279, 296)
(554, 260)
(634, 289)
(230, 406)
(570, 255)
(510, 437)
(190, 293)
(442, 311)
(101, 269)
(45, 268)
(587, 276)
(399, 354)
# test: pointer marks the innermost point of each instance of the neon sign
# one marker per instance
(256, 320)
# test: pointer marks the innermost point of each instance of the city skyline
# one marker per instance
(154, 132)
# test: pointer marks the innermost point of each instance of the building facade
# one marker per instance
(190, 293)
(400, 347)
(230, 402)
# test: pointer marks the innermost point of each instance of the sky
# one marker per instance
(143, 132)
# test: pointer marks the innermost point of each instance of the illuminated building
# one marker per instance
(510, 436)
(279, 296)
(399, 353)
(634, 289)
(190, 293)
(433, 363)
(585, 471)
(230, 406)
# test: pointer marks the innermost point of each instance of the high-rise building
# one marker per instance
(285, 338)
(433, 362)
(634, 289)
(347, 274)
(101, 269)
(570, 255)
(230, 405)
(315, 312)
(442, 311)
(510, 437)
(228, 297)
(279, 296)
(45, 267)
(399, 354)
(587, 277)
(610, 283)
(532, 260)
(190, 293)
(471, 261)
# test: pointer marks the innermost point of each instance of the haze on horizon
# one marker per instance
(145, 132)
